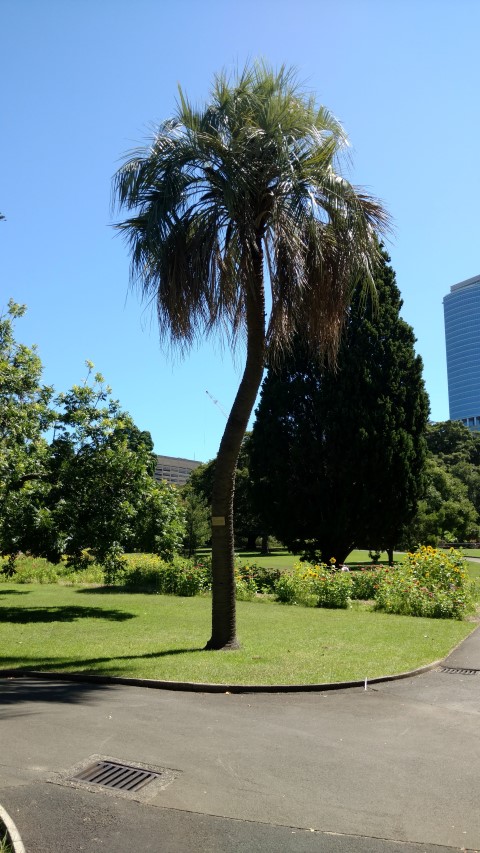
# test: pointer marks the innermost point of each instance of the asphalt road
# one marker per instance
(394, 768)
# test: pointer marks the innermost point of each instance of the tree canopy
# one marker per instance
(25, 415)
(445, 511)
(453, 442)
(75, 471)
(450, 507)
(337, 457)
(249, 183)
(103, 492)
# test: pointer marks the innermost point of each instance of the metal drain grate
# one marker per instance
(120, 777)
(109, 774)
(451, 670)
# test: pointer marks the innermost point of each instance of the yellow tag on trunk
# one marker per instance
(218, 520)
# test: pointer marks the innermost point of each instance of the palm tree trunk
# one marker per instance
(224, 631)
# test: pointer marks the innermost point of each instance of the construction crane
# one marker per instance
(217, 404)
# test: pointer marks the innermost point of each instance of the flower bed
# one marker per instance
(428, 582)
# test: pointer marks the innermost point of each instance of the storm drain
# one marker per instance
(120, 777)
(452, 670)
(110, 775)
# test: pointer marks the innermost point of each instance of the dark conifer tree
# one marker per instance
(337, 457)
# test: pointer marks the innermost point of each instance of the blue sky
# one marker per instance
(82, 83)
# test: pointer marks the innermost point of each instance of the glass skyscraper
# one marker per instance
(462, 337)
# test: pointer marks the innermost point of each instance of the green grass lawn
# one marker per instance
(474, 572)
(60, 628)
(277, 559)
(282, 559)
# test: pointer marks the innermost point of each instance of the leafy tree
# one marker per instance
(160, 521)
(452, 442)
(468, 474)
(91, 486)
(337, 457)
(103, 494)
(445, 511)
(450, 507)
(24, 416)
(457, 449)
(249, 183)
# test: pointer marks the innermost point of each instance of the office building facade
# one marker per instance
(462, 338)
(174, 469)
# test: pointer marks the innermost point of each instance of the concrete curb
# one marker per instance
(199, 687)
(12, 831)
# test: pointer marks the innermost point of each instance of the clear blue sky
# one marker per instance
(82, 82)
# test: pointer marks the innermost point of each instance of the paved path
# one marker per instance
(394, 768)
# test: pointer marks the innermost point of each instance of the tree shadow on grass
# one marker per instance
(110, 590)
(70, 680)
(53, 682)
(79, 665)
(27, 615)
(13, 592)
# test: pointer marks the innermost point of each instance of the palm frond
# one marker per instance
(259, 165)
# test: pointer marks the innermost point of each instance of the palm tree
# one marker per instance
(226, 202)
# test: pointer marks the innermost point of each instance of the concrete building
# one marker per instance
(462, 338)
(174, 470)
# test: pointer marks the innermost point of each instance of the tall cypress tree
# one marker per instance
(337, 455)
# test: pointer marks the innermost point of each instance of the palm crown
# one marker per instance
(259, 164)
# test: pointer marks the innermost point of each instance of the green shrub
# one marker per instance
(333, 588)
(365, 582)
(263, 577)
(245, 588)
(7, 566)
(314, 586)
(143, 573)
(188, 583)
(203, 566)
(149, 573)
(286, 588)
(114, 564)
(428, 582)
(80, 561)
(38, 570)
